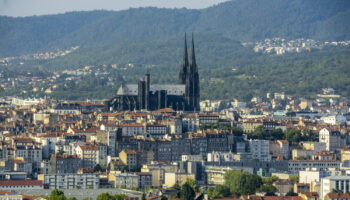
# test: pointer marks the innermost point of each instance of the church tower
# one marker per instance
(184, 65)
(192, 82)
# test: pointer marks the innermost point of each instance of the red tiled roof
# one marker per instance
(23, 140)
(165, 110)
(131, 125)
(90, 130)
(88, 147)
(4, 192)
(310, 194)
(110, 114)
(130, 151)
(28, 197)
(283, 182)
(20, 182)
(338, 195)
(154, 197)
(209, 115)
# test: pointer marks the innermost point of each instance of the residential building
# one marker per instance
(171, 178)
(339, 183)
(21, 184)
(70, 181)
(333, 139)
(260, 149)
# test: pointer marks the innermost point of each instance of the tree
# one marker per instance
(241, 182)
(163, 197)
(105, 196)
(99, 168)
(238, 131)
(187, 192)
(119, 196)
(177, 187)
(57, 195)
(270, 180)
(293, 135)
(219, 191)
(269, 189)
(294, 179)
(291, 193)
(193, 184)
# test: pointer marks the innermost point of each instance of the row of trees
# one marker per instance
(292, 135)
(239, 183)
(59, 195)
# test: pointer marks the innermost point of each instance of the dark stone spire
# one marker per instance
(193, 64)
(194, 80)
(184, 65)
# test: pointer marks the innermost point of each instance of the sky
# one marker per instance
(41, 7)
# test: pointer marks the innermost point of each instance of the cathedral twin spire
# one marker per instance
(189, 77)
(188, 69)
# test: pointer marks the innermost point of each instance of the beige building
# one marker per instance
(89, 155)
(171, 178)
(283, 186)
(316, 146)
(345, 154)
(251, 125)
(215, 174)
(128, 157)
(309, 148)
(280, 147)
(158, 172)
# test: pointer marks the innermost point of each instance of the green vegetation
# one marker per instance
(187, 191)
(107, 196)
(266, 134)
(293, 136)
(219, 191)
(152, 40)
(59, 195)
(242, 20)
(242, 182)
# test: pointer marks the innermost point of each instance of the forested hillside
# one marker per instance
(243, 20)
(152, 40)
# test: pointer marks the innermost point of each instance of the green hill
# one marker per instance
(243, 20)
(154, 36)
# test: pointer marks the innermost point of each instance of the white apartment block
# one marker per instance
(220, 156)
(294, 166)
(71, 181)
(260, 149)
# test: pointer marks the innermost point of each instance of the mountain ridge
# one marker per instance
(242, 20)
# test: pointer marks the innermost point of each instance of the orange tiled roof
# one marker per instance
(88, 147)
(131, 125)
(338, 195)
(20, 182)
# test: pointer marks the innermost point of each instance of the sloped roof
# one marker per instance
(132, 89)
(20, 182)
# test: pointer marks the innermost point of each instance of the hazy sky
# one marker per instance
(40, 7)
